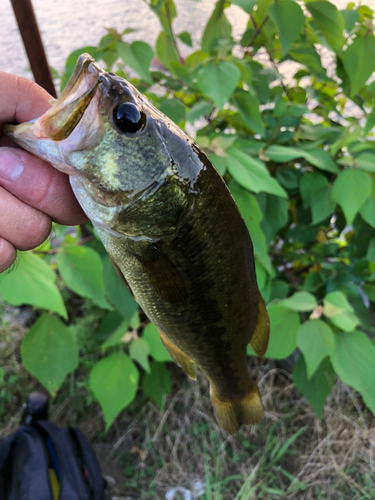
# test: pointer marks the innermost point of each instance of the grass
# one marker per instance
(149, 453)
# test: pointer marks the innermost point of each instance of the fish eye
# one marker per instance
(128, 118)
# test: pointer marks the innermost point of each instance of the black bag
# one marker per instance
(42, 462)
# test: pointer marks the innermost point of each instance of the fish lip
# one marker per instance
(85, 66)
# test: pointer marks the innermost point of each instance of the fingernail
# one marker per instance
(11, 164)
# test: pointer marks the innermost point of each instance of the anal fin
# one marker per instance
(179, 357)
(232, 413)
(259, 340)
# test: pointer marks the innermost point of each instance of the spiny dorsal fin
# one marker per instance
(163, 276)
(179, 357)
(259, 340)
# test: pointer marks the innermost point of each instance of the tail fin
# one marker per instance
(231, 413)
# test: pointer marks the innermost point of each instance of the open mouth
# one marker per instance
(66, 112)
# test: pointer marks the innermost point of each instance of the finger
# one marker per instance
(21, 100)
(36, 183)
(8, 254)
(23, 226)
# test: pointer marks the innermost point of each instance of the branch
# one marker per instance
(257, 28)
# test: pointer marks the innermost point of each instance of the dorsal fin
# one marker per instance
(259, 340)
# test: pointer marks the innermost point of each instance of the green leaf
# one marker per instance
(350, 190)
(353, 361)
(315, 339)
(283, 335)
(321, 159)
(322, 204)
(218, 30)
(251, 173)
(248, 106)
(367, 210)
(218, 80)
(157, 383)
(173, 108)
(246, 5)
(218, 162)
(370, 255)
(49, 352)
(82, 271)
(317, 157)
(165, 50)
(359, 61)
(289, 18)
(305, 53)
(157, 349)
(369, 290)
(336, 303)
(317, 388)
(300, 301)
(366, 161)
(275, 214)
(139, 351)
(339, 311)
(330, 22)
(350, 17)
(310, 184)
(32, 282)
(180, 72)
(201, 108)
(252, 216)
(166, 12)
(117, 336)
(116, 291)
(137, 55)
(185, 38)
(114, 382)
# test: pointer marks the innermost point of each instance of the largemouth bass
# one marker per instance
(169, 224)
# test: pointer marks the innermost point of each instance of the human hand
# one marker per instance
(32, 193)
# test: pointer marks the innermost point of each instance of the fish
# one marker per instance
(171, 228)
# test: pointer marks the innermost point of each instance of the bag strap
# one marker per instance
(72, 484)
(90, 463)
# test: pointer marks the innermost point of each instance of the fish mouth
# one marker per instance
(65, 113)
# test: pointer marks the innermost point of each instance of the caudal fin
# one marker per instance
(231, 413)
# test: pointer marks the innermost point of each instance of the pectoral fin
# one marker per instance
(182, 359)
(163, 276)
(259, 340)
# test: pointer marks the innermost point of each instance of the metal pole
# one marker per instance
(24, 12)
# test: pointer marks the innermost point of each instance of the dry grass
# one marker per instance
(147, 452)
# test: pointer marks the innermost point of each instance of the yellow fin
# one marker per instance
(232, 413)
(182, 359)
(259, 340)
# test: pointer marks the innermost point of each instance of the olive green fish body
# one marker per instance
(169, 224)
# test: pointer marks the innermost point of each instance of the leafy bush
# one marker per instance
(298, 155)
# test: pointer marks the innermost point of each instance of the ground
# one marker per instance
(154, 454)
